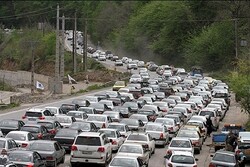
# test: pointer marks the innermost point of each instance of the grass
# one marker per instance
(8, 106)
(6, 87)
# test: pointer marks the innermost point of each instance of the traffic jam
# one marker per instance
(159, 107)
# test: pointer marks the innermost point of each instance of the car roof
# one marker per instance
(96, 134)
(180, 138)
(43, 141)
(108, 129)
(117, 123)
(225, 152)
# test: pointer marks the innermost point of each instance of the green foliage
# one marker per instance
(213, 47)
(240, 83)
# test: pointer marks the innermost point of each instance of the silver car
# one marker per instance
(7, 145)
(49, 150)
(119, 161)
(224, 158)
(180, 144)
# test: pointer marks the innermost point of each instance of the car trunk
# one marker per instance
(154, 135)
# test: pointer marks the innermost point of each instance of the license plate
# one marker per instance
(32, 119)
(86, 152)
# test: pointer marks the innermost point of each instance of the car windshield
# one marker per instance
(15, 136)
(108, 133)
(88, 140)
(2, 144)
(96, 118)
(124, 162)
(131, 149)
(42, 146)
(182, 159)
(9, 123)
(146, 112)
(154, 128)
(20, 157)
(137, 137)
(33, 114)
(224, 158)
(121, 128)
(130, 104)
(204, 113)
(81, 125)
(48, 125)
(66, 133)
(180, 143)
(31, 129)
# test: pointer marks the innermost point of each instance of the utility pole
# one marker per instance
(74, 60)
(32, 83)
(85, 47)
(57, 70)
(62, 49)
(236, 37)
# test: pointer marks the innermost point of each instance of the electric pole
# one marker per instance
(236, 38)
(62, 49)
(57, 70)
(32, 44)
(74, 49)
(85, 47)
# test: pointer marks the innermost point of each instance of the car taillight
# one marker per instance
(164, 110)
(170, 128)
(24, 145)
(211, 165)
(103, 125)
(170, 165)
(161, 136)
(114, 142)
(189, 111)
(30, 165)
(73, 148)
(169, 152)
(23, 117)
(101, 149)
(4, 152)
(195, 143)
(53, 131)
(40, 136)
(41, 118)
(49, 158)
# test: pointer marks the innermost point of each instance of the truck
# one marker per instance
(219, 141)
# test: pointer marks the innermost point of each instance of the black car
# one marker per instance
(102, 96)
(38, 131)
(7, 125)
(66, 137)
(84, 126)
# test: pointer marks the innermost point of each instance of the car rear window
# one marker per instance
(86, 140)
(180, 143)
(66, 133)
(33, 114)
(224, 158)
(137, 137)
(31, 129)
(182, 159)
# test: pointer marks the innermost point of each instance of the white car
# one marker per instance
(180, 144)
(142, 138)
(181, 158)
(115, 136)
(109, 103)
(79, 115)
(214, 115)
(122, 128)
(135, 78)
(135, 150)
(142, 117)
(91, 147)
(65, 120)
(101, 121)
(22, 138)
(54, 110)
(159, 132)
(171, 125)
(35, 114)
(120, 160)
(132, 65)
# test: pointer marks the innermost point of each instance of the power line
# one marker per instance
(17, 15)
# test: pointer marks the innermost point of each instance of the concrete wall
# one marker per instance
(15, 78)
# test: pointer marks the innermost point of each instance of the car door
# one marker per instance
(120, 138)
(151, 142)
(59, 150)
(107, 145)
(38, 161)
